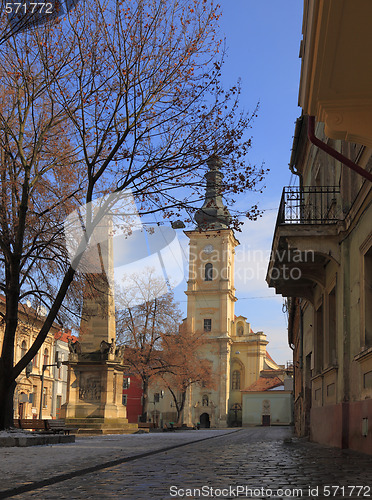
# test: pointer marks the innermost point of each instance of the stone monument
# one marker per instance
(95, 366)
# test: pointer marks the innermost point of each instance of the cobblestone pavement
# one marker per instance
(250, 463)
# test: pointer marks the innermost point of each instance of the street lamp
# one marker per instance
(58, 364)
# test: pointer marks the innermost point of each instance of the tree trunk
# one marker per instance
(145, 398)
(7, 389)
(180, 408)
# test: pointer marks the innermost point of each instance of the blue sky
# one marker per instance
(263, 42)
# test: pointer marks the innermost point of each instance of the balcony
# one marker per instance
(306, 238)
(309, 205)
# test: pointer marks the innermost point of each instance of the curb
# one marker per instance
(24, 441)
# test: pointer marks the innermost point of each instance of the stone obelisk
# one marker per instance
(95, 367)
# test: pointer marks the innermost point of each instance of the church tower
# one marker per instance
(211, 298)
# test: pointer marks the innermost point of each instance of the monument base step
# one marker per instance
(101, 432)
(94, 426)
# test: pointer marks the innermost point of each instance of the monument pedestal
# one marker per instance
(95, 366)
(94, 394)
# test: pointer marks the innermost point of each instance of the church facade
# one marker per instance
(236, 353)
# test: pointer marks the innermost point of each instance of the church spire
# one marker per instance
(213, 215)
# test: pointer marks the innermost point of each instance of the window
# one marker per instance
(34, 392)
(205, 400)
(45, 397)
(207, 325)
(319, 339)
(46, 357)
(235, 380)
(23, 348)
(332, 328)
(124, 400)
(208, 272)
(126, 382)
(59, 357)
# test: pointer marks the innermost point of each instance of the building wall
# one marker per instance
(333, 379)
(280, 407)
(236, 353)
(132, 392)
(28, 390)
(27, 396)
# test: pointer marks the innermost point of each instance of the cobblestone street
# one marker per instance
(248, 463)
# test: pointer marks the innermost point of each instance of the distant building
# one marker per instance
(132, 397)
(61, 350)
(28, 390)
(236, 353)
(269, 401)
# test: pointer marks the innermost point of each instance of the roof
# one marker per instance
(264, 384)
(269, 373)
(65, 336)
(270, 358)
(30, 312)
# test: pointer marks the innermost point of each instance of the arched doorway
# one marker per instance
(205, 423)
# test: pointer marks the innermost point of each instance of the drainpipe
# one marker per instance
(332, 152)
(292, 347)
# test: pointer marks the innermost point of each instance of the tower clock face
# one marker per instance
(208, 249)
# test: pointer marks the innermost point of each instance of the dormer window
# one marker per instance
(208, 272)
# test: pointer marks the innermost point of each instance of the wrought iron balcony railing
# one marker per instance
(310, 205)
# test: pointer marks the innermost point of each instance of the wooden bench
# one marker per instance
(33, 424)
(146, 425)
(50, 426)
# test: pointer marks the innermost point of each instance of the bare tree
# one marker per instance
(147, 315)
(182, 353)
(115, 96)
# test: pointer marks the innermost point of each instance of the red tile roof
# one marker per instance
(264, 384)
(65, 336)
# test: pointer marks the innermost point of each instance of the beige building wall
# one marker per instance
(28, 391)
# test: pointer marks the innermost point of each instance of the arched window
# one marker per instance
(23, 348)
(46, 357)
(208, 272)
(235, 380)
(205, 400)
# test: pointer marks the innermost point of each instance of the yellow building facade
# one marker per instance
(236, 353)
(28, 390)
